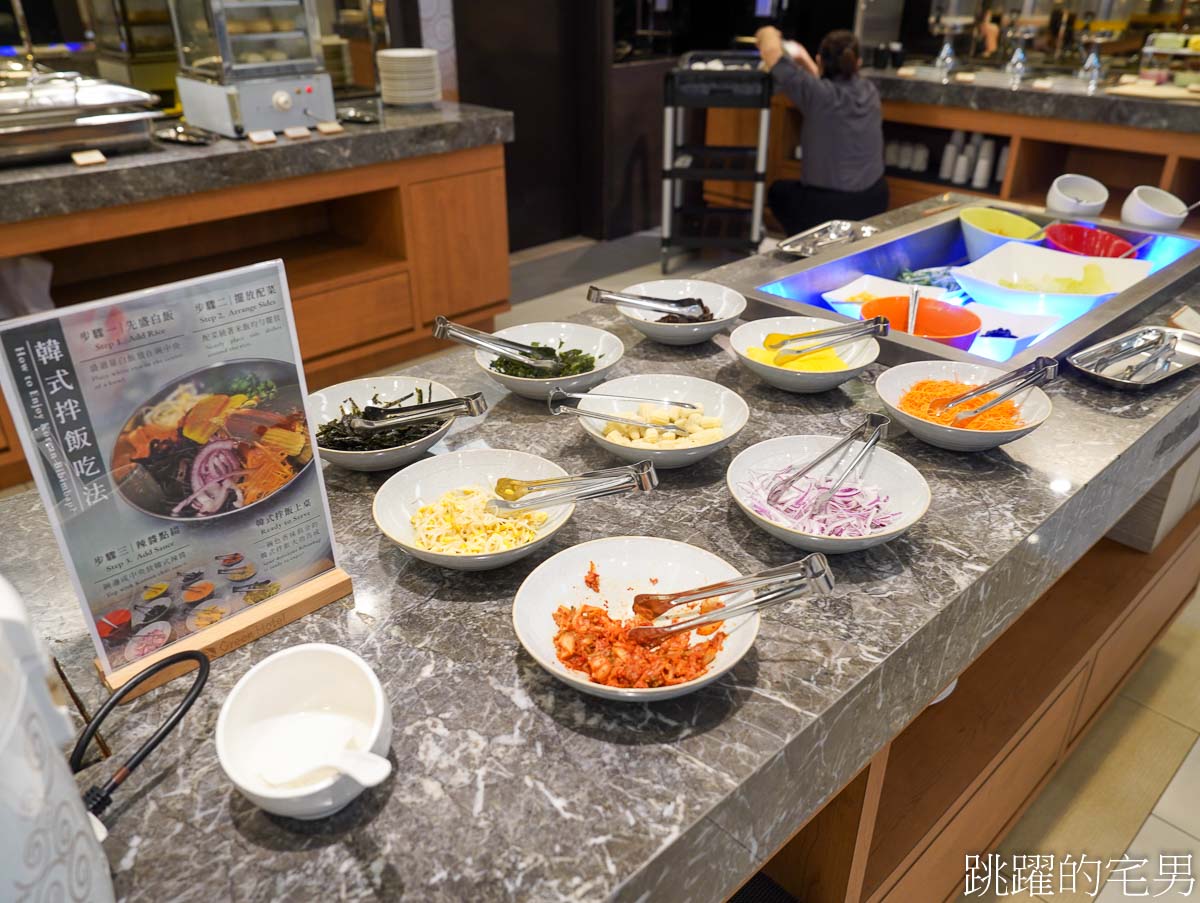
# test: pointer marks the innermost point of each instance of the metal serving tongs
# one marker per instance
(1105, 357)
(686, 307)
(556, 402)
(520, 495)
(757, 591)
(1041, 371)
(376, 419)
(829, 338)
(873, 428)
(1164, 354)
(539, 357)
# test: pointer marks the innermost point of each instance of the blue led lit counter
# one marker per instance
(1172, 262)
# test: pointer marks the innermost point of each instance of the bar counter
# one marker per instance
(510, 785)
(1102, 108)
(1121, 141)
(365, 221)
(175, 171)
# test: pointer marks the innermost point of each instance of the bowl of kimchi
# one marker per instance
(572, 613)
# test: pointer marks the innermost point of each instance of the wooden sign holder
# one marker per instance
(241, 628)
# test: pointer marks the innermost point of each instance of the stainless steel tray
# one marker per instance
(1114, 361)
(827, 235)
(54, 114)
(54, 140)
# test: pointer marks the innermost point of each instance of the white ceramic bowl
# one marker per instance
(309, 678)
(1013, 262)
(324, 403)
(717, 400)
(1074, 195)
(1026, 328)
(1148, 207)
(626, 565)
(604, 345)
(858, 355)
(426, 481)
(900, 481)
(726, 305)
(876, 287)
(891, 385)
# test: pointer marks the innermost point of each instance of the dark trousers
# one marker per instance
(798, 206)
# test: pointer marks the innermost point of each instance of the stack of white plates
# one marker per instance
(409, 75)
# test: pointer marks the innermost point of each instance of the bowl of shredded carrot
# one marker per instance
(573, 614)
(910, 390)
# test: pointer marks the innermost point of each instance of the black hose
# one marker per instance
(98, 799)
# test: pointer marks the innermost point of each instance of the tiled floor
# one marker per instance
(1131, 790)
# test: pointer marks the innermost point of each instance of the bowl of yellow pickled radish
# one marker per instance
(436, 509)
(793, 370)
(673, 435)
(1026, 279)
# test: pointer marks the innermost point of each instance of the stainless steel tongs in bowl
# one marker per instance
(830, 338)
(556, 402)
(686, 307)
(376, 419)
(1041, 371)
(757, 591)
(873, 428)
(537, 356)
(521, 495)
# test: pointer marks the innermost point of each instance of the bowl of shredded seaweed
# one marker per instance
(585, 353)
(332, 408)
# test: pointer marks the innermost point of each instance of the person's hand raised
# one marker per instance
(770, 44)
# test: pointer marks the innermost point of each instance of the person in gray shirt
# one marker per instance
(841, 137)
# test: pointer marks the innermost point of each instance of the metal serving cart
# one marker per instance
(706, 80)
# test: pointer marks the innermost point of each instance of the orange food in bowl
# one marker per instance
(936, 320)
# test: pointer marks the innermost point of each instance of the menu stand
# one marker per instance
(244, 627)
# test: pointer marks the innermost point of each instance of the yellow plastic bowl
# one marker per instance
(985, 229)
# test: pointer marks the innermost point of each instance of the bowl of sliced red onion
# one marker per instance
(882, 499)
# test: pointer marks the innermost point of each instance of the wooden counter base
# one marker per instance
(373, 254)
(957, 778)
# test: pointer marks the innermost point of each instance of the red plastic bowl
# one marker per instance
(1085, 240)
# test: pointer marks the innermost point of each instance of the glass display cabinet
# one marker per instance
(251, 65)
(135, 45)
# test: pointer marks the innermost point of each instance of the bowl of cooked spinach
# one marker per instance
(331, 409)
(585, 353)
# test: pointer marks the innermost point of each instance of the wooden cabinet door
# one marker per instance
(457, 230)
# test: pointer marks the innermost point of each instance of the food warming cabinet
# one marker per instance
(250, 65)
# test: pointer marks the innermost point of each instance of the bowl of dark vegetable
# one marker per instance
(719, 308)
(331, 410)
(585, 355)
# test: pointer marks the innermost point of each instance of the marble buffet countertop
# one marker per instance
(1100, 108)
(510, 785)
(171, 170)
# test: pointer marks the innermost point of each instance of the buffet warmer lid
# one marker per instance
(64, 96)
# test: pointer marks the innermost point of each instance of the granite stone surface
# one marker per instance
(171, 170)
(1157, 115)
(510, 785)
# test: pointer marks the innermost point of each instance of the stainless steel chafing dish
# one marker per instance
(49, 115)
